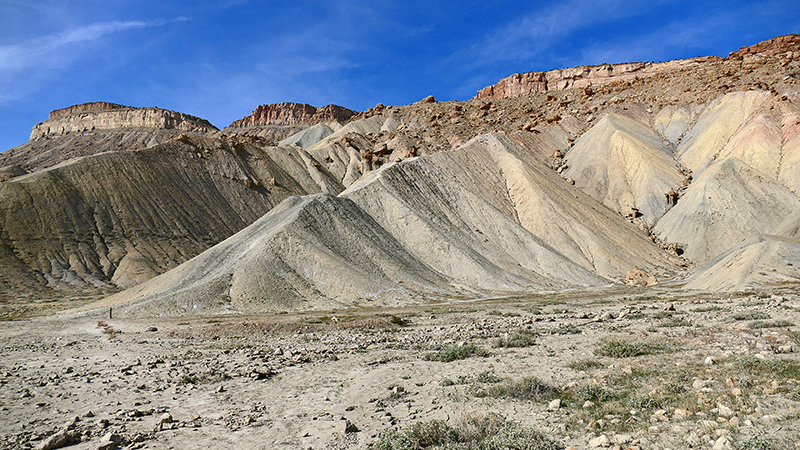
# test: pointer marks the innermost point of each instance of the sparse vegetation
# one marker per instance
(108, 329)
(529, 388)
(750, 315)
(187, 378)
(584, 365)
(783, 368)
(522, 338)
(676, 322)
(622, 349)
(455, 352)
(592, 392)
(566, 328)
(712, 308)
(490, 432)
(315, 320)
(773, 324)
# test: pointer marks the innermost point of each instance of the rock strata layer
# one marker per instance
(293, 114)
(108, 116)
(597, 75)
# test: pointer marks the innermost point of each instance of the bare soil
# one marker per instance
(712, 372)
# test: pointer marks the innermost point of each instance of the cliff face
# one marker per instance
(588, 76)
(578, 77)
(98, 127)
(86, 107)
(293, 114)
(109, 116)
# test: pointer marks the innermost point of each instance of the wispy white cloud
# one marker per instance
(44, 50)
(26, 65)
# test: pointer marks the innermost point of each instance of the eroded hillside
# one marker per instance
(545, 181)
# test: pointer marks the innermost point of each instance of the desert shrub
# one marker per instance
(187, 378)
(676, 322)
(711, 308)
(592, 392)
(763, 443)
(529, 388)
(587, 364)
(455, 352)
(566, 328)
(489, 432)
(622, 349)
(488, 377)
(315, 320)
(523, 338)
(782, 367)
(663, 314)
(645, 402)
(758, 324)
(750, 315)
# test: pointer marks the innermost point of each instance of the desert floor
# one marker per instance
(622, 368)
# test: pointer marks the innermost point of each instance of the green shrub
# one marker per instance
(187, 378)
(592, 392)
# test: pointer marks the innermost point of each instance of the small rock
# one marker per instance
(734, 421)
(57, 440)
(724, 410)
(723, 443)
(622, 438)
(599, 441)
(554, 405)
(587, 404)
(345, 426)
(680, 413)
(166, 418)
(220, 389)
(709, 361)
(608, 315)
(151, 329)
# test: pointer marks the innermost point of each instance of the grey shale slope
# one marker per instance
(454, 225)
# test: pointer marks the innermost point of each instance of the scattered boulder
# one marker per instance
(638, 277)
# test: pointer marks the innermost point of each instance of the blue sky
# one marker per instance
(219, 60)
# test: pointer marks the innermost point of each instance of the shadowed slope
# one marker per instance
(312, 252)
(117, 219)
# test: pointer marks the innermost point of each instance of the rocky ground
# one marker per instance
(620, 369)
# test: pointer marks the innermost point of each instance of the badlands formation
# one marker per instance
(568, 179)
(351, 241)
